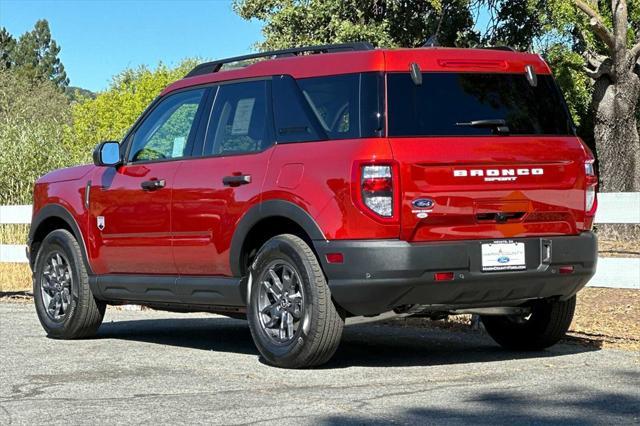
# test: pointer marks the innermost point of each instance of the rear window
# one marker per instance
(445, 101)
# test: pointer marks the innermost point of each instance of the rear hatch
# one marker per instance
(484, 155)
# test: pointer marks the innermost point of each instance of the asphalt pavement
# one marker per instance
(164, 368)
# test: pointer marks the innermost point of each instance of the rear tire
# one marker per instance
(64, 302)
(547, 324)
(292, 318)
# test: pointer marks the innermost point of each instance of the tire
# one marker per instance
(315, 333)
(67, 282)
(548, 323)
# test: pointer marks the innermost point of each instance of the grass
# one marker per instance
(14, 234)
(15, 277)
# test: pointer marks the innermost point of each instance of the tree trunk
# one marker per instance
(616, 132)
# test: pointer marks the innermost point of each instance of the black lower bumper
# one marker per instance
(379, 275)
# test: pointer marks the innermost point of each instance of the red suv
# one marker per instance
(330, 182)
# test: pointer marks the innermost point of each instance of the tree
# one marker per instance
(613, 64)
(32, 118)
(34, 56)
(388, 23)
(7, 45)
(110, 114)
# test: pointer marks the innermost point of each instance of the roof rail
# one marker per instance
(507, 48)
(215, 66)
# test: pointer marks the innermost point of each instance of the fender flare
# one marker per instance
(265, 210)
(60, 212)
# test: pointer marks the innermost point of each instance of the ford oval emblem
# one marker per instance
(423, 203)
(503, 259)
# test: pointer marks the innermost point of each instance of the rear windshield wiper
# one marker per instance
(498, 125)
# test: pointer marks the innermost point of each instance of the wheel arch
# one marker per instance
(265, 220)
(48, 219)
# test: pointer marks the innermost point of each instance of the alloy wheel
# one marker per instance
(55, 286)
(280, 301)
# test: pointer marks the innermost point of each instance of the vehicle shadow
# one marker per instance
(362, 345)
(575, 407)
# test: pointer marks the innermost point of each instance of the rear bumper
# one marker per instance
(379, 275)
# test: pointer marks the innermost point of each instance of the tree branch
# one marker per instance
(597, 25)
(593, 74)
(635, 53)
(620, 21)
(594, 59)
(602, 69)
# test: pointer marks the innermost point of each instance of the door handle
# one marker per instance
(152, 185)
(236, 180)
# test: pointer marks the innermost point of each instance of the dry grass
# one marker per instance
(612, 248)
(605, 317)
(15, 277)
(610, 316)
(13, 234)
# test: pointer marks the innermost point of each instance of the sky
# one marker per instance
(101, 38)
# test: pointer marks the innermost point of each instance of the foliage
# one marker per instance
(112, 112)
(78, 94)
(34, 55)
(387, 23)
(574, 83)
(32, 117)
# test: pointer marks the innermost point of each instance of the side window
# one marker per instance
(335, 102)
(165, 132)
(294, 119)
(240, 120)
(332, 107)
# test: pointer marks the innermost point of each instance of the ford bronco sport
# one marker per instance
(330, 182)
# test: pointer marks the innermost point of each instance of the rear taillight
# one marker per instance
(590, 191)
(589, 169)
(377, 189)
(590, 198)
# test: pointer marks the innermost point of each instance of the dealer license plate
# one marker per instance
(503, 256)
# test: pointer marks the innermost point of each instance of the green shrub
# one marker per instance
(32, 121)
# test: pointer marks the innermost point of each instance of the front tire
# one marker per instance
(292, 318)
(64, 302)
(544, 327)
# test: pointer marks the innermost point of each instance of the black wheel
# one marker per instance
(292, 318)
(547, 323)
(64, 302)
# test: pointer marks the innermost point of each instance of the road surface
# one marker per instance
(155, 367)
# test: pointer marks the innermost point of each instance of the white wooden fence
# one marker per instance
(611, 272)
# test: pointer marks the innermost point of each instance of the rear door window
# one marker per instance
(240, 120)
(444, 102)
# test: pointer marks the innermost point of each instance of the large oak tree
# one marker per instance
(613, 64)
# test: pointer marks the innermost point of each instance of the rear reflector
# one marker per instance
(443, 276)
(335, 257)
(566, 269)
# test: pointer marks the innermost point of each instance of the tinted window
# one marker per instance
(164, 133)
(334, 101)
(295, 121)
(445, 99)
(240, 119)
(334, 107)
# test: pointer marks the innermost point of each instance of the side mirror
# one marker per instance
(107, 154)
